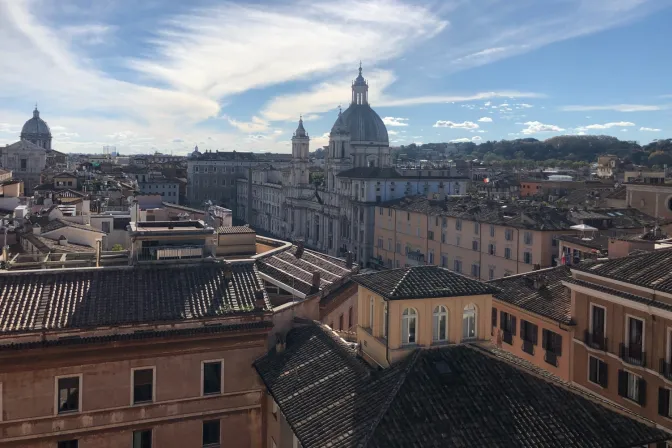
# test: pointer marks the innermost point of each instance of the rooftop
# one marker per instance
(170, 228)
(459, 396)
(421, 282)
(540, 292)
(225, 230)
(598, 242)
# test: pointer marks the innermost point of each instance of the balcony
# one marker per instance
(595, 340)
(551, 358)
(666, 369)
(633, 355)
(507, 337)
(160, 253)
(528, 347)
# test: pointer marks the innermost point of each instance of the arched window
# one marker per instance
(440, 327)
(385, 320)
(409, 324)
(469, 322)
(371, 312)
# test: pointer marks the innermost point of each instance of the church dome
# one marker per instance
(364, 124)
(36, 127)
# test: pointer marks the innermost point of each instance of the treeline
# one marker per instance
(568, 150)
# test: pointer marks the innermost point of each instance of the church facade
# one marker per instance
(337, 216)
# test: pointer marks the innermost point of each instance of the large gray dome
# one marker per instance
(35, 127)
(364, 124)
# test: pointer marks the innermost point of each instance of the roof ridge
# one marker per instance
(523, 274)
(391, 396)
(403, 277)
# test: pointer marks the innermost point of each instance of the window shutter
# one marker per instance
(502, 318)
(546, 344)
(558, 345)
(642, 392)
(522, 329)
(494, 317)
(663, 401)
(535, 334)
(622, 383)
(604, 375)
(513, 325)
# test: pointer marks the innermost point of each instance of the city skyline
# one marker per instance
(223, 75)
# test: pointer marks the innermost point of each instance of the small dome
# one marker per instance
(300, 130)
(364, 124)
(36, 127)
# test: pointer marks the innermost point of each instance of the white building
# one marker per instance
(339, 215)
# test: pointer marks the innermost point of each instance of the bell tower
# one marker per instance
(300, 155)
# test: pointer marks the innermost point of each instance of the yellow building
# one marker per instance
(400, 310)
(479, 239)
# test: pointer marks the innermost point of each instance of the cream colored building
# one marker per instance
(480, 240)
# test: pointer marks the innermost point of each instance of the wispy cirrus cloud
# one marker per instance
(615, 108)
(616, 124)
(645, 129)
(453, 125)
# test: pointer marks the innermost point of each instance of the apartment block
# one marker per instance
(483, 240)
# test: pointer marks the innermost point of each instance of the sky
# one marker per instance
(166, 75)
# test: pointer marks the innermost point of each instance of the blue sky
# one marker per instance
(166, 74)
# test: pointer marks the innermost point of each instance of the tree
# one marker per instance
(117, 248)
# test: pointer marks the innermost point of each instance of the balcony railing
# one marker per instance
(507, 337)
(633, 354)
(170, 253)
(666, 369)
(551, 358)
(528, 347)
(595, 340)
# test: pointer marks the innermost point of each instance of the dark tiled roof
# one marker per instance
(60, 223)
(626, 295)
(621, 218)
(649, 235)
(618, 193)
(422, 282)
(456, 396)
(370, 173)
(552, 301)
(63, 299)
(225, 230)
(46, 245)
(651, 270)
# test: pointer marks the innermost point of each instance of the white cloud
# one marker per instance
(460, 140)
(487, 104)
(614, 107)
(453, 125)
(476, 139)
(393, 121)
(619, 124)
(485, 120)
(643, 129)
(392, 132)
(535, 127)
(88, 34)
(624, 130)
(255, 125)
(523, 106)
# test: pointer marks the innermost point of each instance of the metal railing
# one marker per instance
(170, 253)
(633, 354)
(595, 340)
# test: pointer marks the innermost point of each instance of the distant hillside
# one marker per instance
(567, 148)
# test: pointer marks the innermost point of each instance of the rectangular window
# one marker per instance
(444, 261)
(457, 266)
(491, 273)
(68, 398)
(142, 439)
(507, 323)
(474, 245)
(552, 342)
(527, 258)
(529, 333)
(212, 377)
(431, 257)
(494, 317)
(380, 211)
(476, 270)
(398, 248)
(443, 237)
(528, 237)
(597, 371)
(632, 387)
(211, 434)
(491, 249)
(380, 243)
(508, 234)
(68, 444)
(389, 244)
(492, 231)
(430, 235)
(24, 164)
(143, 385)
(106, 226)
(507, 253)
(664, 402)
(458, 240)
(458, 224)
(477, 227)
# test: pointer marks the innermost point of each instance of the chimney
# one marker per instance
(540, 282)
(316, 281)
(299, 249)
(99, 248)
(348, 260)
(62, 240)
(259, 301)
(279, 343)
(228, 272)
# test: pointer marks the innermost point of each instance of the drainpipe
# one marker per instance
(99, 244)
(387, 337)
(517, 251)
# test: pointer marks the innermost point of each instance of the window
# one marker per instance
(430, 235)
(444, 261)
(491, 273)
(527, 258)
(389, 244)
(443, 237)
(508, 234)
(385, 322)
(664, 402)
(142, 439)
(24, 164)
(597, 371)
(431, 257)
(370, 312)
(143, 385)
(491, 249)
(632, 387)
(527, 237)
(409, 320)
(476, 270)
(457, 264)
(398, 248)
(469, 322)
(507, 323)
(457, 241)
(458, 224)
(212, 377)
(440, 325)
(340, 322)
(350, 318)
(211, 433)
(68, 444)
(477, 227)
(68, 398)
(492, 231)
(380, 243)
(380, 211)
(474, 245)
(634, 334)
(597, 321)
(493, 322)
(529, 333)
(106, 226)
(551, 342)
(507, 253)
